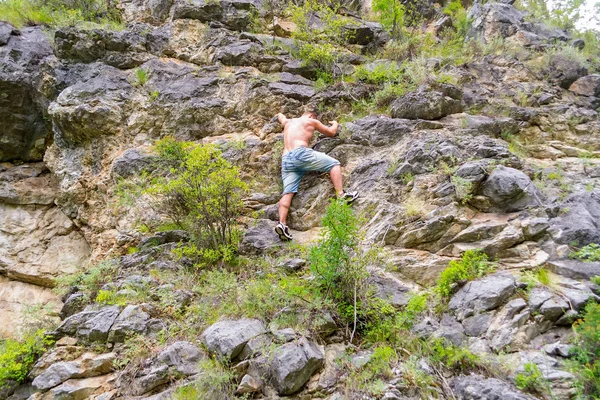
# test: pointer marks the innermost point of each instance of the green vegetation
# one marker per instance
(390, 14)
(474, 264)
(586, 353)
(588, 253)
(90, 279)
(17, 357)
(596, 280)
(198, 190)
(368, 379)
(339, 265)
(141, 77)
(215, 382)
(538, 276)
(463, 188)
(531, 380)
(58, 13)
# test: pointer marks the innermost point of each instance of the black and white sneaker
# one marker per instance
(283, 231)
(349, 197)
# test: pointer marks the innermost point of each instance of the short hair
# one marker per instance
(309, 110)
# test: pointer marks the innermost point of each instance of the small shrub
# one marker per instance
(201, 192)
(215, 382)
(378, 74)
(141, 77)
(586, 353)
(596, 280)
(463, 188)
(390, 14)
(474, 264)
(531, 380)
(414, 206)
(17, 357)
(588, 253)
(88, 280)
(539, 276)
(453, 358)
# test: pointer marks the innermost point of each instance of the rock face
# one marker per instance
(579, 222)
(476, 387)
(587, 85)
(227, 338)
(25, 133)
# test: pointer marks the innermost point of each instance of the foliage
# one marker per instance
(532, 380)
(88, 279)
(588, 253)
(563, 14)
(58, 13)
(463, 188)
(539, 276)
(340, 266)
(201, 192)
(215, 382)
(474, 264)
(586, 353)
(390, 14)
(454, 358)
(381, 73)
(368, 379)
(596, 280)
(319, 44)
(390, 324)
(17, 357)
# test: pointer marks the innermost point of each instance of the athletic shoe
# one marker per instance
(283, 231)
(349, 196)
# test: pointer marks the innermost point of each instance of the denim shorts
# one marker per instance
(299, 161)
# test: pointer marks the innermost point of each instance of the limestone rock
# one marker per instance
(429, 105)
(390, 288)
(565, 71)
(378, 131)
(227, 338)
(508, 189)
(476, 387)
(132, 320)
(24, 52)
(86, 366)
(92, 324)
(259, 237)
(587, 85)
(482, 294)
(575, 269)
(293, 364)
(580, 220)
(16, 297)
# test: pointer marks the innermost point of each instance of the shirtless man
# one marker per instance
(298, 159)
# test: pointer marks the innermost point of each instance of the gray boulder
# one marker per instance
(91, 324)
(477, 387)
(425, 105)
(483, 294)
(293, 364)
(259, 237)
(25, 133)
(390, 288)
(293, 91)
(378, 131)
(579, 220)
(575, 269)
(565, 71)
(132, 320)
(87, 366)
(507, 190)
(131, 162)
(587, 85)
(228, 338)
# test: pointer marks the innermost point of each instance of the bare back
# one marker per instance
(297, 132)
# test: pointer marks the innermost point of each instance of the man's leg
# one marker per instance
(284, 207)
(336, 178)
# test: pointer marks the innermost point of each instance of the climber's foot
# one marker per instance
(349, 197)
(283, 232)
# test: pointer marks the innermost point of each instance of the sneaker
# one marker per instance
(349, 196)
(283, 231)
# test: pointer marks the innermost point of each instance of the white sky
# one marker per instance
(590, 18)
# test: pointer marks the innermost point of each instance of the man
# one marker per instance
(298, 159)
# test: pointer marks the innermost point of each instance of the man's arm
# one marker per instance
(282, 119)
(327, 130)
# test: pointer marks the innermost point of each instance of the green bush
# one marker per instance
(200, 191)
(381, 73)
(391, 15)
(58, 13)
(586, 353)
(474, 264)
(588, 253)
(215, 382)
(531, 380)
(17, 357)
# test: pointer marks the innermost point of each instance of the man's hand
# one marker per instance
(282, 119)
(334, 126)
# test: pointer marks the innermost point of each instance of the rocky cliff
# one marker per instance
(500, 153)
